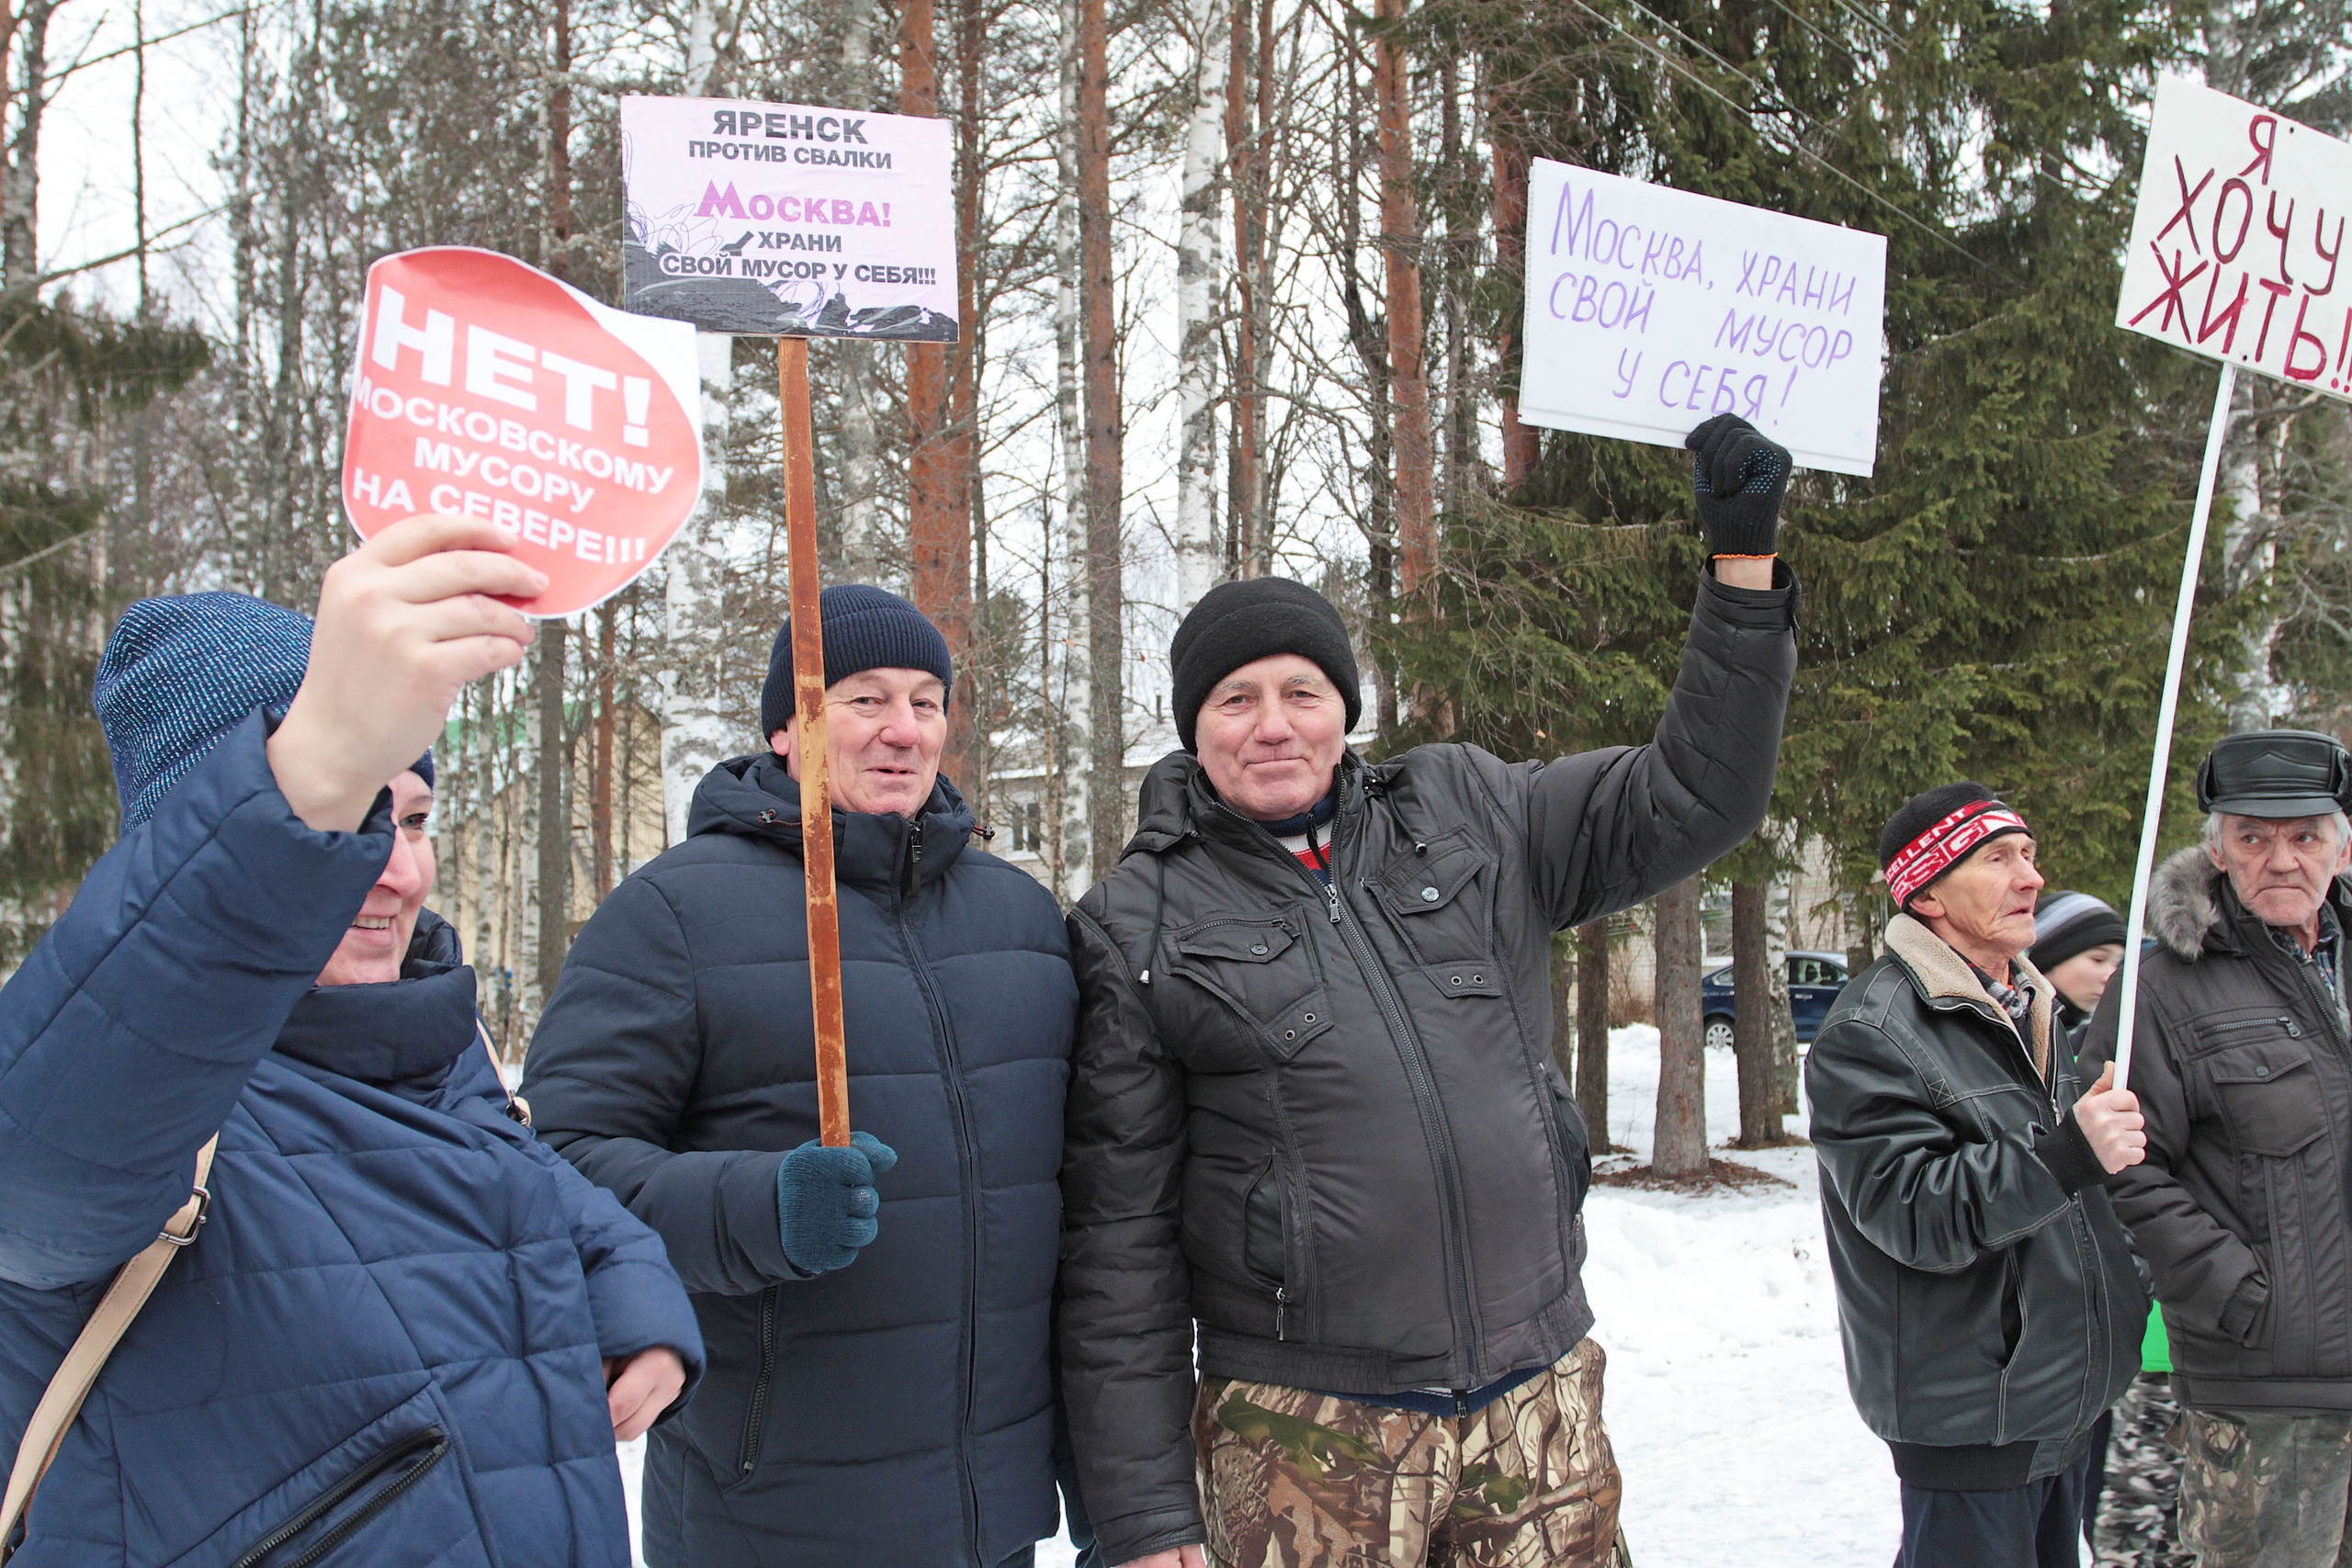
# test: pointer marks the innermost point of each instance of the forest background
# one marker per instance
(1241, 280)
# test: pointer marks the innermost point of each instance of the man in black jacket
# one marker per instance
(879, 1392)
(2244, 1064)
(1314, 1109)
(1990, 1302)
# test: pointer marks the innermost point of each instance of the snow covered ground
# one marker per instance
(1726, 1392)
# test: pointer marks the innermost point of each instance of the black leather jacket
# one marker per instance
(1989, 1298)
(1326, 1126)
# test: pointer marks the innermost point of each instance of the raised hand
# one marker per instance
(1738, 477)
(404, 622)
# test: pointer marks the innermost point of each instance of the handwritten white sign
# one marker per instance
(2236, 238)
(1650, 310)
(788, 219)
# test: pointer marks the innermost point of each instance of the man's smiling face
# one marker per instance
(884, 732)
(1270, 735)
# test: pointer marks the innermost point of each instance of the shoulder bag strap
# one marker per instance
(79, 1372)
(517, 1106)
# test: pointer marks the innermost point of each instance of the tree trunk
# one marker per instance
(1105, 438)
(1520, 444)
(1679, 1146)
(1752, 999)
(939, 542)
(1401, 239)
(600, 788)
(695, 735)
(1592, 1032)
(1199, 262)
(554, 808)
(1779, 936)
(853, 360)
(21, 192)
(1074, 658)
(1564, 1005)
(1246, 161)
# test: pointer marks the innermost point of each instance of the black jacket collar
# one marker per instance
(755, 797)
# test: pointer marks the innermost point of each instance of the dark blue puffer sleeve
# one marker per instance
(633, 1292)
(130, 1032)
(610, 1073)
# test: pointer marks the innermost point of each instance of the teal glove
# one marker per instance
(825, 1201)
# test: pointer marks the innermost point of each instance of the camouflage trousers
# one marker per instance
(1293, 1478)
(2139, 1512)
(2264, 1489)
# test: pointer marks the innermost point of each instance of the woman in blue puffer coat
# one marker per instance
(407, 1334)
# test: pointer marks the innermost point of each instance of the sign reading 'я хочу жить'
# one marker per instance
(483, 388)
(2238, 237)
(788, 219)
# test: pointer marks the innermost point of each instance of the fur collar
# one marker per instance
(1942, 975)
(2185, 903)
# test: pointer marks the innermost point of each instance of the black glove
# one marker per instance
(826, 1203)
(1739, 475)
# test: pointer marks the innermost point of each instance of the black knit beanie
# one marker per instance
(1239, 623)
(865, 629)
(1923, 811)
(2066, 924)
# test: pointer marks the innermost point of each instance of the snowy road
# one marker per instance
(1726, 1396)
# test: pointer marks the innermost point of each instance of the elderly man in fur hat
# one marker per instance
(2243, 1064)
(1991, 1307)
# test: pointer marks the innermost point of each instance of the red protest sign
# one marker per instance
(485, 388)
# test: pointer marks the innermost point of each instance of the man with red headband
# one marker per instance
(1991, 1304)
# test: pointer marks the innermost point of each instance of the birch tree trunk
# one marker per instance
(1679, 1144)
(1198, 264)
(694, 734)
(1075, 654)
(2250, 551)
(860, 513)
(1780, 935)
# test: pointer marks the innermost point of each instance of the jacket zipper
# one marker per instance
(756, 1416)
(428, 1447)
(968, 1166)
(1417, 1074)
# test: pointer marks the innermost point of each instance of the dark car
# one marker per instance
(1815, 980)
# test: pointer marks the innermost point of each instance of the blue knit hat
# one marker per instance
(179, 674)
(865, 629)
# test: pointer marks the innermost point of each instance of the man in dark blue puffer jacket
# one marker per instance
(880, 1391)
(407, 1334)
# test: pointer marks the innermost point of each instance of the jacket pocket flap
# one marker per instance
(2269, 1096)
(1426, 881)
(1244, 941)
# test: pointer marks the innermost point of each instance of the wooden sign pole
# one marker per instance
(809, 698)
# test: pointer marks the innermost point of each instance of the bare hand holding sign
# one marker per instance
(482, 387)
(1650, 310)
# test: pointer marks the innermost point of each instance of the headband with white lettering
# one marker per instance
(1945, 845)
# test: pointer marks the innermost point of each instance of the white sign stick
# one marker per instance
(2126, 1012)
(1649, 310)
